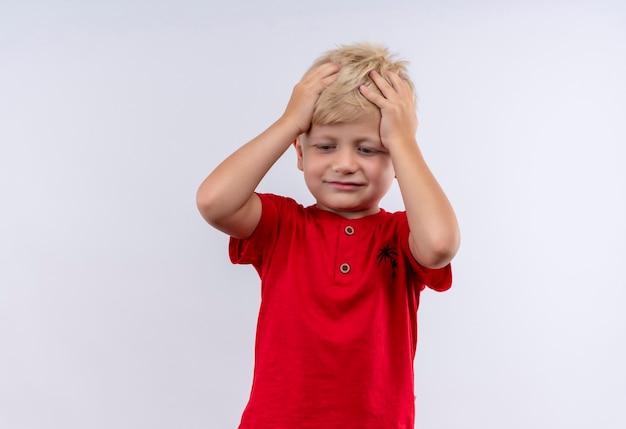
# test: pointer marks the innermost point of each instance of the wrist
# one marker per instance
(290, 126)
(400, 143)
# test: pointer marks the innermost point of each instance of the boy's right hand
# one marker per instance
(299, 111)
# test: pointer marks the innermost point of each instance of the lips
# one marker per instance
(344, 186)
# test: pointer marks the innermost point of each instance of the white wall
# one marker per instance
(118, 306)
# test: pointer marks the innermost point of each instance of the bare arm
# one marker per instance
(434, 238)
(226, 198)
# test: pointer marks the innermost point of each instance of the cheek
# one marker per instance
(312, 163)
(383, 169)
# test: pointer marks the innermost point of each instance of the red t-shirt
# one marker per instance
(337, 326)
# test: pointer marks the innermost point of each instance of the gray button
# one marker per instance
(349, 230)
(344, 268)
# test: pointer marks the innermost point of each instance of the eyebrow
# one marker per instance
(357, 139)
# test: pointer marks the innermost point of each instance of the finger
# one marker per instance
(330, 79)
(321, 76)
(399, 84)
(324, 70)
(377, 99)
(395, 80)
(385, 87)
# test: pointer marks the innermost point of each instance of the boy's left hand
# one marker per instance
(398, 120)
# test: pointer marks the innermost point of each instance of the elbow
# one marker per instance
(439, 251)
(206, 201)
(438, 259)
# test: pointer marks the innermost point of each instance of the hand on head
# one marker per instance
(300, 108)
(397, 107)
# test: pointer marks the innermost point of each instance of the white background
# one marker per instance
(118, 305)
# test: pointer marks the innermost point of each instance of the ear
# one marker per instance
(297, 143)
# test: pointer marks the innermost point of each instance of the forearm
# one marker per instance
(434, 237)
(230, 186)
(226, 198)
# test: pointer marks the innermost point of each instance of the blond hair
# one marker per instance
(342, 101)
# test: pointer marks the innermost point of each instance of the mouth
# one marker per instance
(344, 186)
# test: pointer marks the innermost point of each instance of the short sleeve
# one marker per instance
(438, 279)
(253, 249)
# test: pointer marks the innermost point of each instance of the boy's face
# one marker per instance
(346, 167)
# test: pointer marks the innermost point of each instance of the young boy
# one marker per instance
(341, 279)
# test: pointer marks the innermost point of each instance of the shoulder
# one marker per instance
(277, 205)
(269, 198)
(394, 220)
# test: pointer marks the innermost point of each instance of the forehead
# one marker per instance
(364, 128)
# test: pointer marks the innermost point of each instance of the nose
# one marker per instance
(345, 161)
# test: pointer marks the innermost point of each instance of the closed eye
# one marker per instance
(324, 147)
(364, 150)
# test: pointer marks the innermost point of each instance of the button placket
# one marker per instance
(346, 250)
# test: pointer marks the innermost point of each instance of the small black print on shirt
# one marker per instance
(388, 254)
